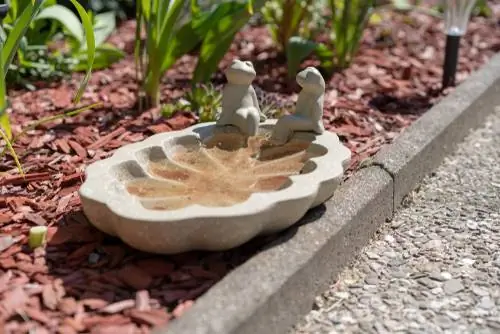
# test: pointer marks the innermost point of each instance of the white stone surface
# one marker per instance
(110, 207)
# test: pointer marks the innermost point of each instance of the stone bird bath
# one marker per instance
(215, 186)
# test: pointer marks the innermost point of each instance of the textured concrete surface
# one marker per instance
(422, 147)
(436, 267)
(273, 289)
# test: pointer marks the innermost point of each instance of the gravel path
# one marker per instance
(436, 267)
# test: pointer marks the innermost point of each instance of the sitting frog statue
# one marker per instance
(240, 107)
(308, 110)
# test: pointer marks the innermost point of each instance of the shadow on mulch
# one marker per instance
(108, 277)
(406, 105)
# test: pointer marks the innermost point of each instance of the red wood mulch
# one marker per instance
(83, 281)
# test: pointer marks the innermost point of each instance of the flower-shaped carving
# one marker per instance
(221, 174)
(187, 190)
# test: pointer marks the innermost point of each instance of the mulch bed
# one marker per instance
(84, 281)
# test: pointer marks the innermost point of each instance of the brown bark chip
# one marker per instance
(49, 297)
(115, 329)
(68, 306)
(37, 315)
(150, 318)
(156, 267)
(135, 277)
(181, 308)
(142, 300)
(118, 306)
(94, 303)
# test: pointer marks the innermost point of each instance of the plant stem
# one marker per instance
(152, 89)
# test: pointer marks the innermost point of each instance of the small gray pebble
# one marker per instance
(478, 291)
(372, 256)
(371, 280)
(453, 286)
(486, 303)
(427, 282)
(437, 276)
(93, 258)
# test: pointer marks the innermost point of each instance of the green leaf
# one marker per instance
(64, 16)
(297, 50)
(402, 5)
(195, 7)
(106, 55)
(16, 34)
(105, 24)
(185, 39)
(376, 18)
(227, 20)
(4, 117)
(5, 129)
(325, 56)
(5, 123)
(90, 39)
(12, 151)
(167, 31)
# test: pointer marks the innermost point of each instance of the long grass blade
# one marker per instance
(47, 119)
(9, 147)
(90, 38)
(4, 117)
(15, 36)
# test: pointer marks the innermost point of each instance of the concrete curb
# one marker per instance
(269, 292)
(423, 146)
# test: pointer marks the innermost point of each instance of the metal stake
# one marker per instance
(450, 60)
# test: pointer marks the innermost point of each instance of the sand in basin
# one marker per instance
(224, 172)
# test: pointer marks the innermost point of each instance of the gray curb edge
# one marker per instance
(269, 292)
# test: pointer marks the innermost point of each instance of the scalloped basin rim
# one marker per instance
(301, 185)
(112, 209)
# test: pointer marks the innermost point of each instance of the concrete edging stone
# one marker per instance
(423, 146)
(269, 292)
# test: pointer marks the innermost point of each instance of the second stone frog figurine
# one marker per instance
(308, 115)
(240, 107)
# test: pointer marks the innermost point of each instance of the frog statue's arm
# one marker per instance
(256, 104)
(317, 114)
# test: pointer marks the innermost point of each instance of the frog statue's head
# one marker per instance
(240, 73)
(311, 81)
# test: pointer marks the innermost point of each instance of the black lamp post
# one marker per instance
(456, 18)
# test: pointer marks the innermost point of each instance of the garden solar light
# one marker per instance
(456, 18)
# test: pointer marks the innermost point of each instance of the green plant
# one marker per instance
(203, 100)
(481, 8)
(349, 19)
(287, 18)
(273, 110)
(105, 54)
(171, 33)
(54, 23)
(9, 45)
(39, 63)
